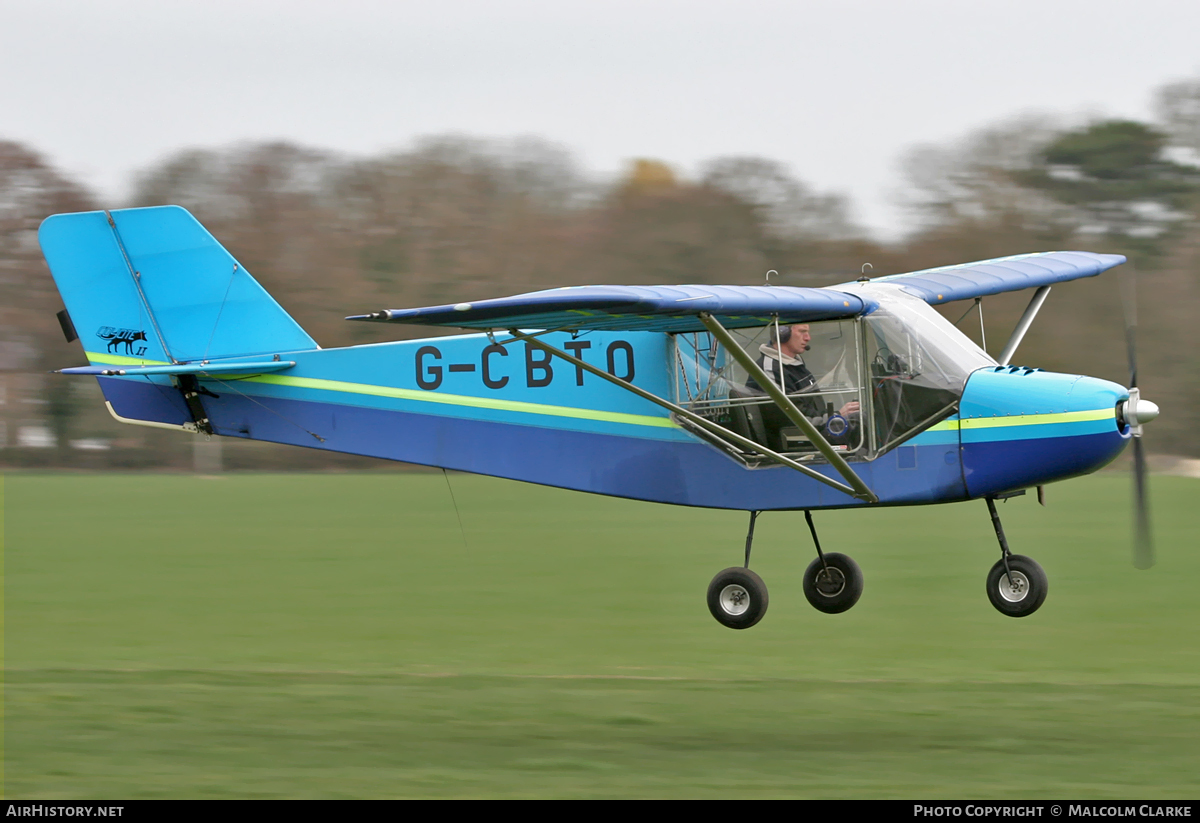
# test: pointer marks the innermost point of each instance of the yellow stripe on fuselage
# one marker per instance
(120, 360)
(462, 400)
(1038, 419)
(421, 396)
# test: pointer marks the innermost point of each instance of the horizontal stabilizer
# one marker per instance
(181, 368)
(988, 277)
(672, 309)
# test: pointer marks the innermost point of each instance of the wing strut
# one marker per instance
(861, 490)
(1035, 305)
(708, 425)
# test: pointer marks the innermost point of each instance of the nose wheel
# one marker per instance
(1017, 589)
(1016, 585)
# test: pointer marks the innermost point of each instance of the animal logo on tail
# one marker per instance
(128, 337)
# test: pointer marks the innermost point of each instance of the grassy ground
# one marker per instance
(333, 636)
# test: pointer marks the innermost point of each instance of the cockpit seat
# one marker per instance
(746, 418)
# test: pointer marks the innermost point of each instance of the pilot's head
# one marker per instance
(793, 340)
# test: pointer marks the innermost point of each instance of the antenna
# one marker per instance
(863, 272)
(772, 271)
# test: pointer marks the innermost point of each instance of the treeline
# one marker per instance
(457, 219)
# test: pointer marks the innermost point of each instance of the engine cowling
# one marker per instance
(1022, 427)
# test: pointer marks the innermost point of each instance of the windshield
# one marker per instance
(918, 362)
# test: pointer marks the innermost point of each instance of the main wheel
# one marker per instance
(737, 597)
(835, 585)
(1021, 595)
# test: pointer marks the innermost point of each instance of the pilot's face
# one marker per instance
(798, 342)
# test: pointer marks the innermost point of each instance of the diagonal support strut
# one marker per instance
(1035, 304)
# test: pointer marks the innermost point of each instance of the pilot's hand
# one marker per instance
(850, 408)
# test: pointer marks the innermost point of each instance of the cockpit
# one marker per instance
(866, 384)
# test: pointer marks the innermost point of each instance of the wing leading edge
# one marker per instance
(637, 308)
(987, 277)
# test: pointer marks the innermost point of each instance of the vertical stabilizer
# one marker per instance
(152, 285)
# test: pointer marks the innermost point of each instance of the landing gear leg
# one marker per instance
(737, 597)
(833, 582)
(750, 537)
(1016, 585)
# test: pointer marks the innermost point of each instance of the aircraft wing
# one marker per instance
(637, 308)
(986, 277)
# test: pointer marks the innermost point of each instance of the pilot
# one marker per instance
(785, 366)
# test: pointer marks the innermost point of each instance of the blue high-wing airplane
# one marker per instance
(757, 398)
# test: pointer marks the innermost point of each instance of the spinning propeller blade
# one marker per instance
(1143, 545)
(1138, 412)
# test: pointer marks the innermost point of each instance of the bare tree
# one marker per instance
(980, 179)
(788, 208)
(30, 340)
(30, 190)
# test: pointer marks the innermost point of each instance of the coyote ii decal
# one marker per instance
(116, 337)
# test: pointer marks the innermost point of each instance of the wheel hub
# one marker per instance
(830, 581)
(734, 599)
(1014, 588)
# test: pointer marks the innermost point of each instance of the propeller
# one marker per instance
(1136, 412)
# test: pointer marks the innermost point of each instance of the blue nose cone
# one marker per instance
(1025, 427)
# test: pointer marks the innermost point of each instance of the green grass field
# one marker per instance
(333, 636)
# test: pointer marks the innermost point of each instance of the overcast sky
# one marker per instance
(837, 90)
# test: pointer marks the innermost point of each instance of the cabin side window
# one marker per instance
(818, 365)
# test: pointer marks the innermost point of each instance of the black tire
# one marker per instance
(835, 590)
(1029, 593)
(737, 598)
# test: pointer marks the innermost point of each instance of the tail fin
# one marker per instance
(151, 286)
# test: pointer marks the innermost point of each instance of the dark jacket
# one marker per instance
(795, 375)
(796, 380)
